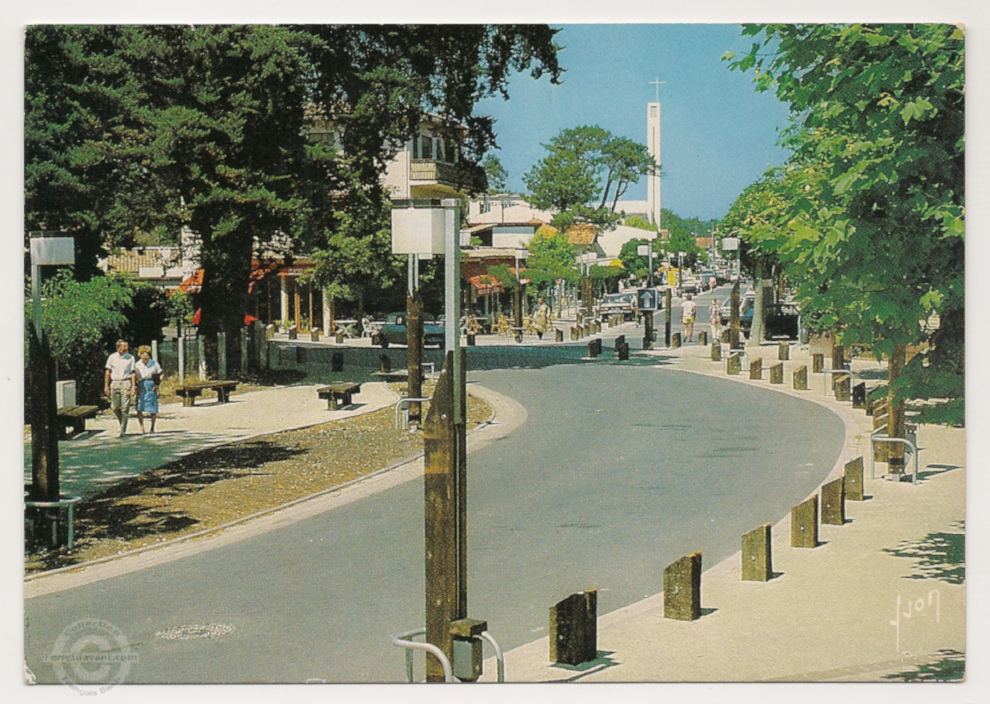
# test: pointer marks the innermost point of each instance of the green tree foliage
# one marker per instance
(875, 237)
(83, 319)
(584, 166)
(639, 222)
(636, 263)
(551, 258)
(605, 279)
(495, 174)
(155, 128)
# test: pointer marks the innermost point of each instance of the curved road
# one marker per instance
(618, 471)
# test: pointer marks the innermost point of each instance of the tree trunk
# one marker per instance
(895, 419)
(756, 332)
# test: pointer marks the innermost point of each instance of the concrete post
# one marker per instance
(716, 351)
(574, 628)
(859, 395)
(733, 365)
(817, 363)
(833, 503)
(756, 368)
(682, 588)
(804, 524)
(757, 565)
(853, 480)
(841, 387)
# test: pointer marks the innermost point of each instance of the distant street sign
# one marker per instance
(646, 299)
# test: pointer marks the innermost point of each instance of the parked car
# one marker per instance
(623, 302)
(746, 303)
(393, 332)
(690, 285)
(782, 320)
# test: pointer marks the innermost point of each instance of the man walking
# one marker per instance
(688, 310)
(121, 384)
(715, 319)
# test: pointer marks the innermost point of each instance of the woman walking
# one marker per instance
(149, 375)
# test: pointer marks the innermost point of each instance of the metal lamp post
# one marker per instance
(45, 490)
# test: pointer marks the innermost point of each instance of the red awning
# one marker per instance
(194, 284)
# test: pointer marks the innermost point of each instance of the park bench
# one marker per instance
(74, 417)
(341, 391)
(189, 392)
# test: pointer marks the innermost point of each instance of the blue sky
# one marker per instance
(718, 133)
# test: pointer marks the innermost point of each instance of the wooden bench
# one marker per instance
(74, 417)
(189, 392)
(341, 391)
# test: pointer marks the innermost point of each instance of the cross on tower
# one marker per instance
(657, 83)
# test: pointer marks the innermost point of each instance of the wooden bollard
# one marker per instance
(702, 338)
(598, 326)
(853, 480)
(619, 342)
(733, 364)
(817, 363)
(756, 368)
(339, 337)
(675, 340)
(384, 364)
(859, 395)
(682, 589)
(833, 503)
(293, 333)
(757, 565)
(716, 351)
(838, 357)
(269, 332)
(624, 352)
(594, 347)
(777, 373)
(804, 524)
(574, 628)
(558, 335)
(574, 333)
(725, 335)
(841, 387)
(337, 361)
(783, 351)
(801, 378)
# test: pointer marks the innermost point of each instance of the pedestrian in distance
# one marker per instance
(541, 318)
(715, 319)
(120, 384)
(688, 310)
(149, 379)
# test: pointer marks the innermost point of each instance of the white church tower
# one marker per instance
(653, 147)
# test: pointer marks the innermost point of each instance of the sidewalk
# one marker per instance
(97, 459)
(880, 596)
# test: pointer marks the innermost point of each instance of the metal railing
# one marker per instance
(881, 437)
(401, 407)
(827, 372)
(403, 641)
(69, 503)
(499, 657)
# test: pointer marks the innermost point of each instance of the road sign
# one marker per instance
(646, 299)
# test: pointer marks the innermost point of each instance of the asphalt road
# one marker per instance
(619, 470)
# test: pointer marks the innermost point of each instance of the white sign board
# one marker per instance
(417, 230)
(730, 244)
(53, 251)
(642, 249)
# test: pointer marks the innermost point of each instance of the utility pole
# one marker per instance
(445, 478)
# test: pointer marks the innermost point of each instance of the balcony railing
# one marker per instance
(441, 172)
